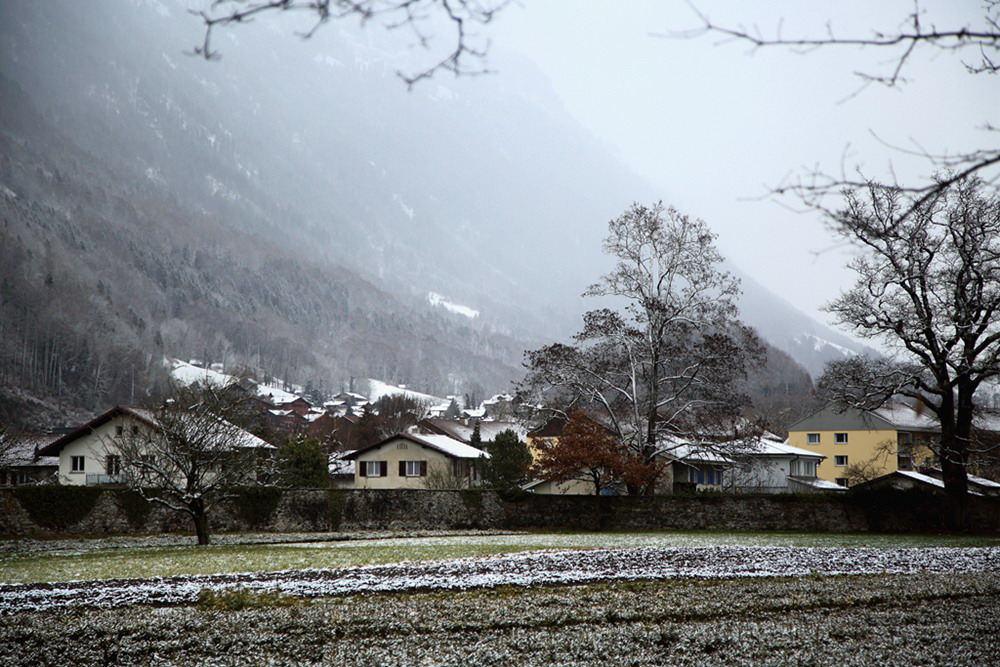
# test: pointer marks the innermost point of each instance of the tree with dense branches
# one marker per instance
(928, 288)
(672, 354)
(188, 453)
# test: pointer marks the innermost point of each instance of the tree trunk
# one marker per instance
(200, 517)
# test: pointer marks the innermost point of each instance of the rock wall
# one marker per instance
(305, 510)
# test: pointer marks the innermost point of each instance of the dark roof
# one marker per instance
(139, 414)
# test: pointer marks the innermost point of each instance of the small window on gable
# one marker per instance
(840, 438)
(402, 445)
(813, 438)
(119, 429)
(77, 463)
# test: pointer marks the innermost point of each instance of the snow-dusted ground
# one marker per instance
(525, 570)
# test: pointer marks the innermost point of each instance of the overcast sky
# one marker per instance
(713, 126)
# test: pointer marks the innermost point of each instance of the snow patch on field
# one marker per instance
(527, 570)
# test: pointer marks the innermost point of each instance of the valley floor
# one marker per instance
(869, 619)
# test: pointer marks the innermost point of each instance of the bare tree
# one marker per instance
(674, 351)
(465, 53)
(979, 37)
(928, 288)
(188, 454)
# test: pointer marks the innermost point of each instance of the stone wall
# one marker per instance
(115, 512)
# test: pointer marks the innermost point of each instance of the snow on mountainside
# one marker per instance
(438, 300)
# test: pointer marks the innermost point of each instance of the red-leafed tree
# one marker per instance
(587, 451)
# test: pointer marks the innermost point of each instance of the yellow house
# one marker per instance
(867, 444)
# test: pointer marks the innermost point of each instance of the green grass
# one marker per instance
(60, 564)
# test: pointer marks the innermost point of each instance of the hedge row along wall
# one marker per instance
(60, 510)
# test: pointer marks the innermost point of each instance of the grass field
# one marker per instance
(84, 560)
(865, 620)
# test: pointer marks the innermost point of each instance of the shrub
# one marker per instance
(335, 499)
(57, 507)
(136, 507)
(256, 504)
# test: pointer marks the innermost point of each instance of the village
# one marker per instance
(402, 442)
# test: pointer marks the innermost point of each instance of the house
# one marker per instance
(977, 484)
(896, 436)
(20, 460)
(341, 470)
(411, 461)
(693, 466)
(902, 480)
(548, 434)
(87, 455)
(765, 464)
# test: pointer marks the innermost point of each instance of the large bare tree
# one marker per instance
(929, 289)
(673, 352)
(188, 454)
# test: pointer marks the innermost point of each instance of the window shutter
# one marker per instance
(362, 467)
(402, 468)
(423, 468)
(383, 469)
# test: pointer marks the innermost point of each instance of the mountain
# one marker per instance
(291, 208)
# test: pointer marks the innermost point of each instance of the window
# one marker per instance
(119, 429)
(413, 468)
(840, 438)
(402, 445)
(148, 459)
(812, 438)
(76, 463)
(840, 460)
(135, 429)
(113, 465)
(842, 481)
(373, 468)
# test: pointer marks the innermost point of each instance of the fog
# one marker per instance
(295, 205)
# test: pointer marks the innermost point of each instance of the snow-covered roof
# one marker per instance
(19, 450)
(691, 453)
(985, 483)
(920, 477)
(904, 416)
(442, 443)
(226, 433)
(488, 430)
(340, 465)
(450, 446)
(818, 483)
(772, 448)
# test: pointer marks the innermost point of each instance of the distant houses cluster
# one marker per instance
(827, 451)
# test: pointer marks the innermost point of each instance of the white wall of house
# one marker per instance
(94, 448)
(770, 473)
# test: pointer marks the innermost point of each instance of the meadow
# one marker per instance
(492, 599)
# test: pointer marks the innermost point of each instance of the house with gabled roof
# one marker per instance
(87, 455)
(21, 462)
(896, 436)
(415, 461)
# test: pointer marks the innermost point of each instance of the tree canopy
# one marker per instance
(672, 353)
(928, 287)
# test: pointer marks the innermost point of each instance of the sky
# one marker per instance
(715, 126)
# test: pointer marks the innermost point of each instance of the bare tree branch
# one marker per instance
(466, 54)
